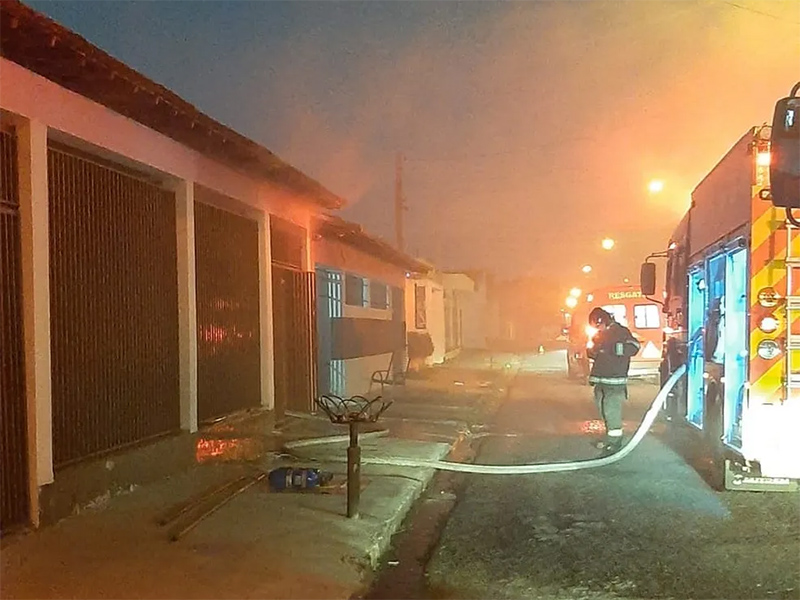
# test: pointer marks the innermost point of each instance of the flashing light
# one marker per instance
(768, 297)
(575, 292)
(591, 331)
(768, 324)
(571, 301)
(763, 159)
(768, 349)
(607, 243)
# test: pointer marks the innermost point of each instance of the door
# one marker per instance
(14, 501)
(228, 342)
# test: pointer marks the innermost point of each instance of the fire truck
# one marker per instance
(629, 308)
(732, 308)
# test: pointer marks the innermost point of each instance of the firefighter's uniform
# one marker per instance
(612, 349)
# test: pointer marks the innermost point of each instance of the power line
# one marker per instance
(759, 12)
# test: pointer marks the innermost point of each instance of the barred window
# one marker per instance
(355, 289)
(378, 295)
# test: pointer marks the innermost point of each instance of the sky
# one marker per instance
(529, 130)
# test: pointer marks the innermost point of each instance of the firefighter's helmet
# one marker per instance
(598, 316)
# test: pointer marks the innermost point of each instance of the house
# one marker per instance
(425, 314)
(156, 271)
(360, 307)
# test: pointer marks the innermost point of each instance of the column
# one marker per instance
(267, 343)
(34, 222)
(187, 304)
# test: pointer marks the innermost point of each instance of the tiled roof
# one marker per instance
(352, 234)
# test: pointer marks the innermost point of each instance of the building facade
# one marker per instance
(360, 308)
(425, 314)
(156, 268)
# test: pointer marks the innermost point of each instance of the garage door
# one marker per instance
(114, 306)
(13, 445)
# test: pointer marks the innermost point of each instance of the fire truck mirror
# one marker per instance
(647, 279)
(784, 159)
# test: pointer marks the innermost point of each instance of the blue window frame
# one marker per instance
(736, 345)
(695, 379)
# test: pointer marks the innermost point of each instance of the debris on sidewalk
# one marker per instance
(297, 478)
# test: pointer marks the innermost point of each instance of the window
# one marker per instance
(355, 288)
(378, 295)
(645, 316)
(619, 313)
(420, 320)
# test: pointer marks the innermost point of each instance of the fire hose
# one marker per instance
(555, 467)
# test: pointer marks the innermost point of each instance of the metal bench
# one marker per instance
(388, 376)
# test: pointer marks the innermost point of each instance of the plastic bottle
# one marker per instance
(296, 478)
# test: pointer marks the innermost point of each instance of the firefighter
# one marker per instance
(611, 350)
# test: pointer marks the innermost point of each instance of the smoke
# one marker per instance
(530, 129)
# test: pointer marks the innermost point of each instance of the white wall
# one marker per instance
(434, 308)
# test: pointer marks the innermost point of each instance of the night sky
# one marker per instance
(531, 129)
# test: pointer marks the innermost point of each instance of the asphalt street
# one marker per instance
(646, 527)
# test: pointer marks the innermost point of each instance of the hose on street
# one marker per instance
(554, 467)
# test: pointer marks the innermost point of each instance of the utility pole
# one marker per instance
(399, 205)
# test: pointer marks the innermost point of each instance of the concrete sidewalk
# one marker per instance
(261, 544)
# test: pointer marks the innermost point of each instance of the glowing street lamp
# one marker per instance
(571, 301)
(586, 269)
(655, 186)
(607, 243)
(575, 292)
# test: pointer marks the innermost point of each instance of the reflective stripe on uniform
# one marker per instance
(608, 380)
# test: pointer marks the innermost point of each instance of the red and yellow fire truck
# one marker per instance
(732, 306)
(629, 308)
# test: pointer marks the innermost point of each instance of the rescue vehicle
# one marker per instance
(732, 307)
(629, 308)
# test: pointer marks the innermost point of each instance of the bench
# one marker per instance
(388, 376)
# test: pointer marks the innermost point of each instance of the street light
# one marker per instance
(608, 243)
(575, 292)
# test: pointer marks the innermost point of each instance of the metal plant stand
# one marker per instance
(352, 411)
